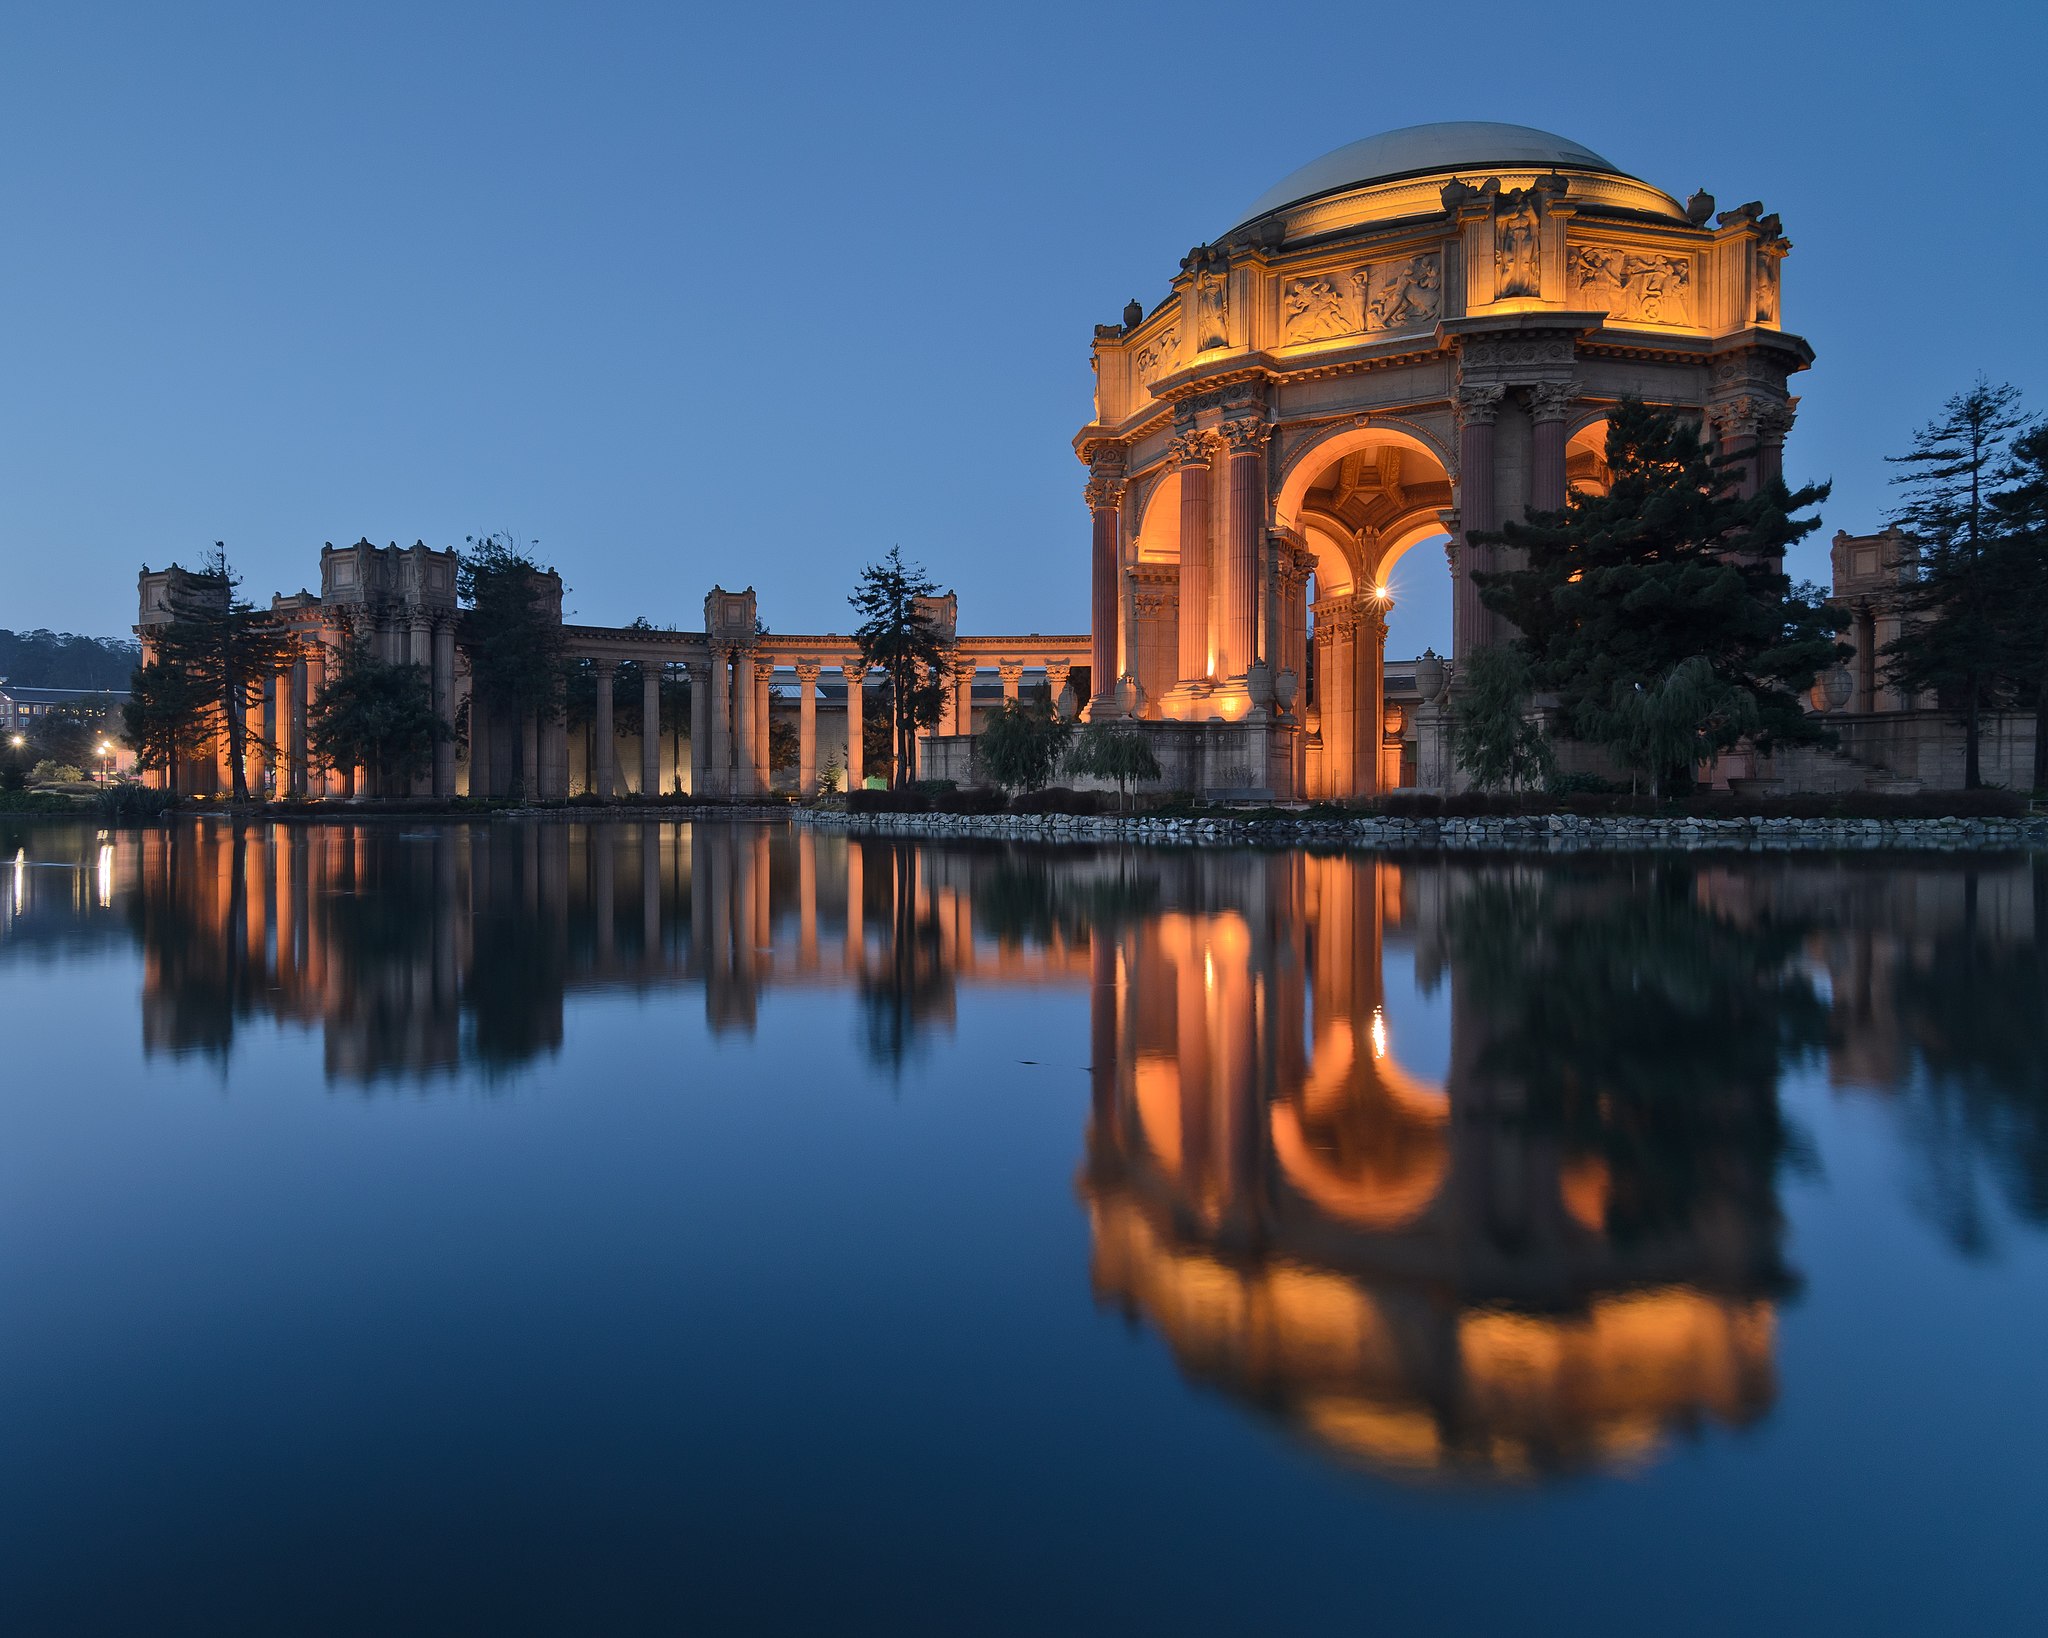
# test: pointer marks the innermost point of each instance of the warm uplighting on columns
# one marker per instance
(1191, 452)
(1105, 493)
(1477, 406)
(1244, 526)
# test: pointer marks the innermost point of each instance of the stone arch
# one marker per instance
(1157, 529)
(1304, 465)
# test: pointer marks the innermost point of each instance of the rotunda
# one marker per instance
(1415, 336)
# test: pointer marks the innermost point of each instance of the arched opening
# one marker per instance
(1358, 504)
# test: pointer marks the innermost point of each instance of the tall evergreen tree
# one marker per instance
(895, 635)
(2022, 508)
(226, 646)
(1956, 632)
(1671, 564)
(510, 637)
(168, 717)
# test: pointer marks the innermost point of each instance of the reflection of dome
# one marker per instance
(1473, 147)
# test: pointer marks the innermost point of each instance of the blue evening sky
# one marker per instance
(750, 293)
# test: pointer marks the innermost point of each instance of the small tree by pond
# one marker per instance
(1020, 746)
(1107, 751)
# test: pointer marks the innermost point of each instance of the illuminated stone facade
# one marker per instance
(1416, 336)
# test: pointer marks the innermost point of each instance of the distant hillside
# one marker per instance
(57, 659)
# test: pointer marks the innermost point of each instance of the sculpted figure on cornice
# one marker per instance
(1626, 284)
(1764, 290)
(1315, 309)
(1212, 309)
(1515, 233)
(1402, 294)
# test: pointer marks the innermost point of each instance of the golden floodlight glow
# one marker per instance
(20, 877)
(105, 874)
(1379, 1033)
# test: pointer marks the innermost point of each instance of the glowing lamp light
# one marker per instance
(1379, 1033)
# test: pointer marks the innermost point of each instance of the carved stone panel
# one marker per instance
(1639, 287)
(1159, 356)
(1212, 310)
(1403, 295)
(1319, 307)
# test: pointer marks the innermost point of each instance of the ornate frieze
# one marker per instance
(1403, 294)
(1638, 287)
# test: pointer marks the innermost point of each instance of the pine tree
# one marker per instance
(895, 635)
(2022, 576)
(227, 647)
(1670, 564)
(168, 717)
(510, 637)
(1955, 633)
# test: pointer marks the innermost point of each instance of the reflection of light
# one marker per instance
(20, 877)
(1208, 970)
(1379, 1033)
(106, 875)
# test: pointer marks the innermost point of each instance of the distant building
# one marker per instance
(20, 707)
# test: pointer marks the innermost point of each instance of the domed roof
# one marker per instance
(1422, 150)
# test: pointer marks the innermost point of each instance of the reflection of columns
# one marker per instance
(807, 900)
(1244, 526)
(856, 674)
(603, 746)
(1191, 450)
(700, 725)
(1105, 494)
(856, 925)
(721, 782)
(1549, 403)
(807, 728)
(650, 896)
(1477, 407)
(650, 728)
(604, 894)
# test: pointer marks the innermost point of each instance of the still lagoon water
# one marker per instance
(724, 1228)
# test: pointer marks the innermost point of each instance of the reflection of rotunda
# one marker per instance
(1415, 336)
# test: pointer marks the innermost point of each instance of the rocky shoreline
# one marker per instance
(1539, 833)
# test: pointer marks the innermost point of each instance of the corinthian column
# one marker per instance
(650, 727)
(1245, 525)
(1471, 627)
(856, 674)
(1549, 403)
(718, 773)
(807, 728)
(700, 727)
(1105, 494)
(743, 724)
(603, 747)
(1191, 451)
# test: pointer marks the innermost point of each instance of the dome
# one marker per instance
(1425, 150)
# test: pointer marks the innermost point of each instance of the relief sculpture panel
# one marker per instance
(1639, 286)
(1403, 295)
(1158, 356)
(1317, 308)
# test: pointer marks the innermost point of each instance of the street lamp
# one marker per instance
(106, 762)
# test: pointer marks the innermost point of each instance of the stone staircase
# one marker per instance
(1808, 770)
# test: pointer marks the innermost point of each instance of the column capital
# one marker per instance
(1246, 436)
(1478, 403)
(855, 669)
(605, 668)
(808, 671)
(1551, 400)
(1191, 449)
(1011, 671)
(1105, 491)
